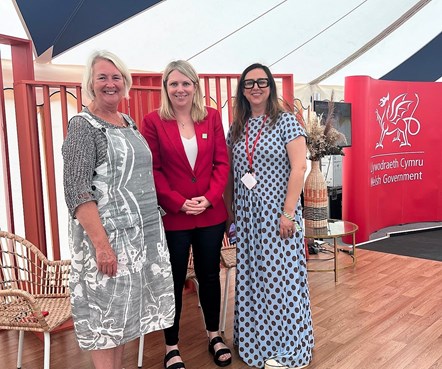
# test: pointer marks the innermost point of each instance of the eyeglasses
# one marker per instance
(250, 83)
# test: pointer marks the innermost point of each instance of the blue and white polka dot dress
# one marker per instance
(272, 304)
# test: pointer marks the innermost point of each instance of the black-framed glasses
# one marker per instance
(261, 82)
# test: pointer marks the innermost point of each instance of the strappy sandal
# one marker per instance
(170, 355)
(217, 354)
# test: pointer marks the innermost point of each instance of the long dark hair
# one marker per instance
(241, 109)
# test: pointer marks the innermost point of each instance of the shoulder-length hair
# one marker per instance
(198, 111)
(87, 84)
(242, 110)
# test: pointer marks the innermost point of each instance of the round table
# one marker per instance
(335, 229)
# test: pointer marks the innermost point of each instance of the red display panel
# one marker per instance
(392, 174)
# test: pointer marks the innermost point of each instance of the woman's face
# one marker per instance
(180, 90)
(107, 83)
(257, 96)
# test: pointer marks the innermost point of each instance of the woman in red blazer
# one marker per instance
(191, 168)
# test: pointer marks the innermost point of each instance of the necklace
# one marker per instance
(184, 121)
(183, 125)
(118, 121)
(121, 121)
(115, 119)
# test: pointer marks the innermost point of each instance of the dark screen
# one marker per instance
(341, 118)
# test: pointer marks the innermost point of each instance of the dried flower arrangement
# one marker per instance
(322, 138)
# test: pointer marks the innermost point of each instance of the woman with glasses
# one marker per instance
(267, 148)
(190, 167)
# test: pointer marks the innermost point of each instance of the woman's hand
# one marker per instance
(87, 215)
(106, 260)
(286, 227)
(195, 205)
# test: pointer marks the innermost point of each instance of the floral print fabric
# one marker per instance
(110, 311)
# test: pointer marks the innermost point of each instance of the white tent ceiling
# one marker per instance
(308, 39)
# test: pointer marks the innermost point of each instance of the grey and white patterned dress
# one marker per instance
(110, 311)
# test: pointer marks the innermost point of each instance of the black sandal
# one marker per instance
(220, 352)
(169, 356)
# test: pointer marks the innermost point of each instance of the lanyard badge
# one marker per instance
(248, 178)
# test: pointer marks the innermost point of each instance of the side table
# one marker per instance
(335, 229)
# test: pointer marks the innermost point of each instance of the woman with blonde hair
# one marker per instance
(190, 169)
(121, 280)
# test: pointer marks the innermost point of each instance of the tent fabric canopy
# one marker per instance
(319, 42)
(421, 66)
(72, 22)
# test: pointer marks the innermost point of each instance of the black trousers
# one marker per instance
(206, 245)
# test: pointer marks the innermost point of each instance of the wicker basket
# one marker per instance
(315, 198)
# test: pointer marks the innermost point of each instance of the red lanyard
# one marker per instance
(250, 154)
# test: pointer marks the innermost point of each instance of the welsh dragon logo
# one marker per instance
(396, 118)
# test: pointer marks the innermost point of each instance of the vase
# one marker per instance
(315, 198)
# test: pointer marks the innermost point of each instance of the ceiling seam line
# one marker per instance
(237, 30)
(318, 34)
(392, 27)
(65, 25)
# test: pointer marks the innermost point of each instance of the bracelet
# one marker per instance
(288, 216)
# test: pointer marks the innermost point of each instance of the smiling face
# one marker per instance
(180, 90)
(107, 84)
(257, 96)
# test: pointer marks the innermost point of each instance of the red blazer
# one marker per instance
(175, 181)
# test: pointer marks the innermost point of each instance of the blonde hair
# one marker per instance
(198, 111)
(87, 84)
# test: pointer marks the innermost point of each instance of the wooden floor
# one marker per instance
(386, 312)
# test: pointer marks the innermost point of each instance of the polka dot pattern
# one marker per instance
(272, 304)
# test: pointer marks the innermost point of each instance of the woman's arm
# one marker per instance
(297, 151)
(170, 200)
(219, 169)
(220, 161)
(87, 215)
(79, 161)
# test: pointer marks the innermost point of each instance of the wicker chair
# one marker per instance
(228, 261)
(34, 293)
(190, 276)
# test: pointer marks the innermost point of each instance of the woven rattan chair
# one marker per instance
(190, 276)
(228, 261)
(34, 293)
